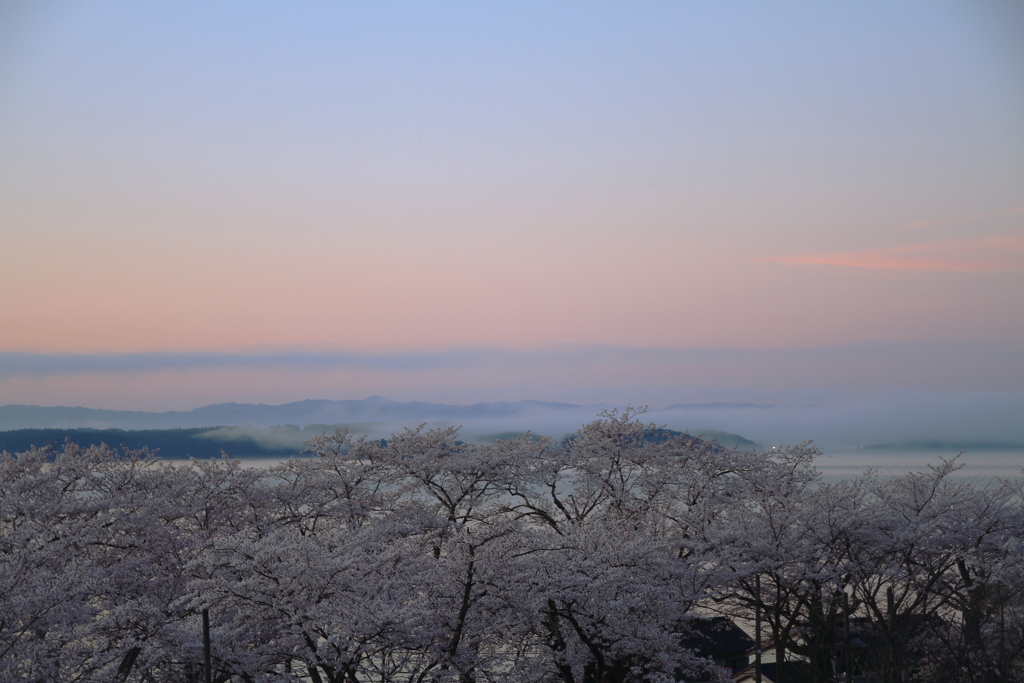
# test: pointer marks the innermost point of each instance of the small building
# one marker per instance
(796, 671)
(722, 641)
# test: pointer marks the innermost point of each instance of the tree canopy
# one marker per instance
(422, 558)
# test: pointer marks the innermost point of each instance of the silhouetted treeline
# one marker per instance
(172, 444)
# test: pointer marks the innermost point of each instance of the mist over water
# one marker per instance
(913, 422)
(978, 466)
(891, 435)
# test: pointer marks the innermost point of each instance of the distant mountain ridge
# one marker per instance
(372, 409)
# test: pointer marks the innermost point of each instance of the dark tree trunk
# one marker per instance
(127, 663)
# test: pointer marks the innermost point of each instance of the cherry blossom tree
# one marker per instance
(422, 558)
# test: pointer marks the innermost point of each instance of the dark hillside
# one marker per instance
(172, 443)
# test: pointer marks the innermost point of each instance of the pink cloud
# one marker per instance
(987, 254)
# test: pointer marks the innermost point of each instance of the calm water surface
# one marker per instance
(977, 465)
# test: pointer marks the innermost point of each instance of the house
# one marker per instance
(720, 640)
(796, 671)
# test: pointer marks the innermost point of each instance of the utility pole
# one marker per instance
(846, 635)
(207, 660)
(757, 629)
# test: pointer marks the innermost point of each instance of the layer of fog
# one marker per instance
(930, 420)
(975, 422)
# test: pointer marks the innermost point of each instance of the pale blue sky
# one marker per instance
(430, 177)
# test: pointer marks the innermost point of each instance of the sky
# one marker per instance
(656, 202)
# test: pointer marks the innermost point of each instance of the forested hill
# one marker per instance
(249, 442)
(373, 409)
(172, 443)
